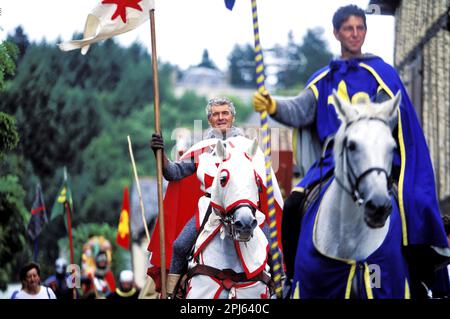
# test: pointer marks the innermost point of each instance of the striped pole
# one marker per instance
(260, 77)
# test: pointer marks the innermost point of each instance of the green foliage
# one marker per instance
(20, 39)
(302, 60)
(82, 233)
(77, 111)
(8, 53)
(8, 133)
(13, 216)
(242, 66)
(51, 115)
(243, 110)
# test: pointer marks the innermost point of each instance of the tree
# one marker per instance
(315, 52)
(13, 218)
(52, 116)
(206, 61)
(8, 134)
(302, 60)
(8, 53)
(13, 214)
(291, 71)
(242, 66)
(20, 39)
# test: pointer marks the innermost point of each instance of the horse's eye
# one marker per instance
(351, 146)
(224, 177)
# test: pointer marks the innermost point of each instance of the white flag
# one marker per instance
(110, 18)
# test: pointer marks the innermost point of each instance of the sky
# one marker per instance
(184, 28)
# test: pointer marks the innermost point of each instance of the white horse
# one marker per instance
(354, 230)
(231, 252)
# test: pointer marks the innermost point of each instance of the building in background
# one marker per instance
(209, 83)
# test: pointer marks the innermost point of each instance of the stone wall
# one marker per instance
(421, 33)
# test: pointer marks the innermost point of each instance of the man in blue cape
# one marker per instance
(356, 76)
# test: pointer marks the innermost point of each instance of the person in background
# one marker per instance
(87, 290)
(127, 288)
(31, 284)
(103, 278)
(58, 281)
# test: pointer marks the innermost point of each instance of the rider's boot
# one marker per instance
(172, 281)
(290, 224)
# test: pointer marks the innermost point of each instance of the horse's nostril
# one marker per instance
(370, 205)
(379, 205)
(254, 223)
(238, 224)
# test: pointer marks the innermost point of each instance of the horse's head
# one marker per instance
(235, 190)
(363, 152)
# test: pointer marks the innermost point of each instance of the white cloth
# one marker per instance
(126, 276)
(211, 288)
(100, 25)
(253, 254)
(207, 170)
(44, 293)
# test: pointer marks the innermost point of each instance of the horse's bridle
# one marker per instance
(228, 217)
(351, 176)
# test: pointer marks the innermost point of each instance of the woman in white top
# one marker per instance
(31, 284)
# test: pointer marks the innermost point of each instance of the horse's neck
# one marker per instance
(221, 254)
(341, 230)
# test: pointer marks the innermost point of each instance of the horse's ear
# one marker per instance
(390, 107)
(253, 148)
(341, 108)
(221, 152)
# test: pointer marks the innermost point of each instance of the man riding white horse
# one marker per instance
(230, 255)
(347, 249)
(183, 198)
(357, 76)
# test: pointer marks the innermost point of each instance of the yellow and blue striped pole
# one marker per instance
(260, 79)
